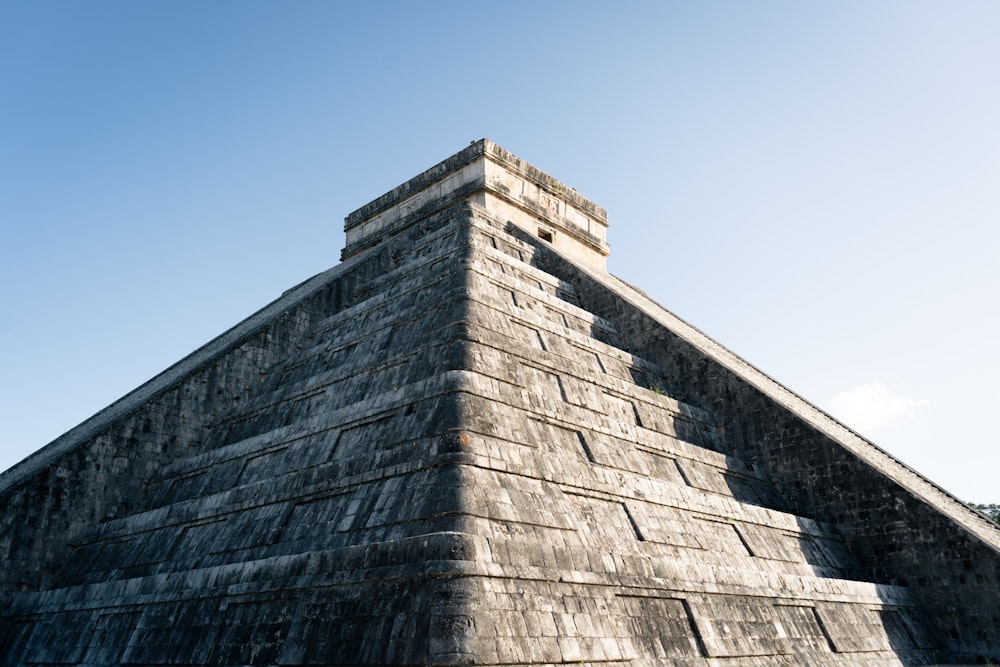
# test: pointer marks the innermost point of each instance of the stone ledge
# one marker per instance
(482, 147)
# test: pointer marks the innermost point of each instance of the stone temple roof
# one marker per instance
(469, 444)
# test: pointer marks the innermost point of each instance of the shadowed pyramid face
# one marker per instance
(468, 444)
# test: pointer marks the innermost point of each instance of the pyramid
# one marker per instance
(469, 444)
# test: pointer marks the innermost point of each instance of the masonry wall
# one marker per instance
(900, 538)
(313, 521)
(98, 471)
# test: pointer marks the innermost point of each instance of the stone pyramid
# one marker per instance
(470, 444)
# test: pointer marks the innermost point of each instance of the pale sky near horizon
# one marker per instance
(814, 185)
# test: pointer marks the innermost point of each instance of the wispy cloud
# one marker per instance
(873, 406)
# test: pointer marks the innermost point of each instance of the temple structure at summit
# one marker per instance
(470, 444)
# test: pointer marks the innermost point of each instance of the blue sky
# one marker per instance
(815, 185)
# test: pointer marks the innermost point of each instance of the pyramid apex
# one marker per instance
(506, 186)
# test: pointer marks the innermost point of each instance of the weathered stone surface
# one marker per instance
(469, 445)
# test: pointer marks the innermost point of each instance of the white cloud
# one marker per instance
(872, 406)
